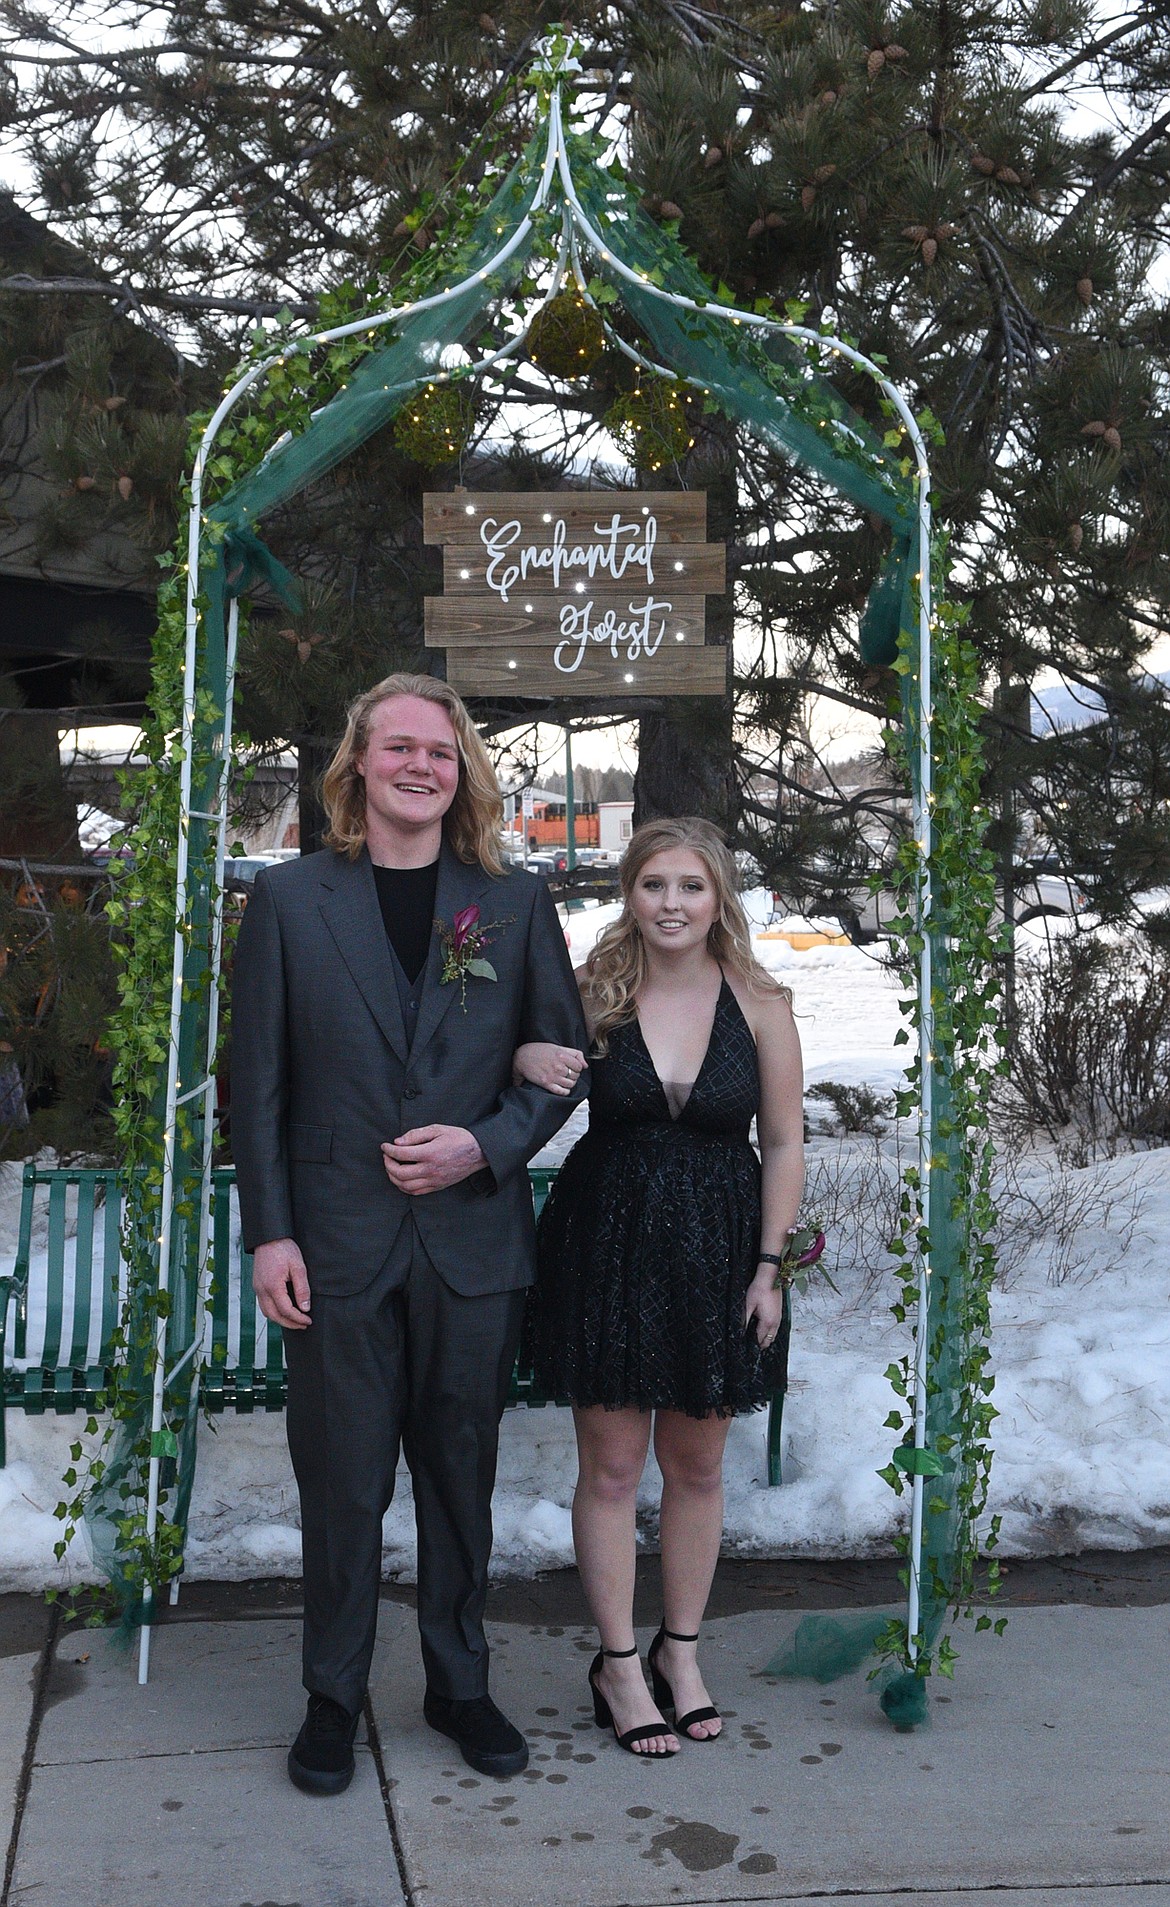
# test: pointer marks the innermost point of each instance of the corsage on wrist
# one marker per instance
(802, 1251)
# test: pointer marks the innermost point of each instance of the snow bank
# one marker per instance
(1081, 1341)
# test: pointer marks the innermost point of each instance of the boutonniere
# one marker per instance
(463, 943)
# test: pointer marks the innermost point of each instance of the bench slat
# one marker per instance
(55, 1282)
(82, 1274)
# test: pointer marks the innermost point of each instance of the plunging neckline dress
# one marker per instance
(648, 1239)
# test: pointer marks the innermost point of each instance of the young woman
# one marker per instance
(657, 1303)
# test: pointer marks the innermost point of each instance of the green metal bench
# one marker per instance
(63, 1319)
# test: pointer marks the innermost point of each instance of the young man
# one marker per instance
(380, 1149)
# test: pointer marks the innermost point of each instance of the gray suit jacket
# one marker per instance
(322, 1072)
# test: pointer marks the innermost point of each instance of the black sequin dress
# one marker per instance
(648, 1240)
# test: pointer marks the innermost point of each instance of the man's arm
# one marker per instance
(526, 1117)
(260, 1074)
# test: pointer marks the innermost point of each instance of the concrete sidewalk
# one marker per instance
(1045, 1770)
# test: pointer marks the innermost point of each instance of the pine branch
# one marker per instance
(1152, 17)
(163, 300)
(1113, 172)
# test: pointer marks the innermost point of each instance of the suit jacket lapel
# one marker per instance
(458, 886)
(351, 912)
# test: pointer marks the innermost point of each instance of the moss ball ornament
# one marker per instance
(434, 425)
(651, 425)
(567, 337)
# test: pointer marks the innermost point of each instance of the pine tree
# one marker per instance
(913, 174)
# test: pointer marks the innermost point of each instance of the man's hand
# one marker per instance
(431, 1157)
(281, 1283)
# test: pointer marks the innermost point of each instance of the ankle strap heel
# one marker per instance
(603, 1716)
(664, 1694)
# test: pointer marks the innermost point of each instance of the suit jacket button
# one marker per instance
(410, 1092)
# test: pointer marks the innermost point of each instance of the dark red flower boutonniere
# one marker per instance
(463, 945)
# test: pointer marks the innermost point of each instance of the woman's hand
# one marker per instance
(765, 1303)
(556, 1068)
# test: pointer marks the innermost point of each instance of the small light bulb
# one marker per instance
(511, 665)
(580, 589)
(629, 678)
(465, 573)
(678, 566)
(469, 509)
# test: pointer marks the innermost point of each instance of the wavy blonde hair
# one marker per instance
(471, 824)
(615, 971)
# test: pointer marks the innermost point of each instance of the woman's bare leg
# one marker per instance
(611, 1449)
(690, 1455)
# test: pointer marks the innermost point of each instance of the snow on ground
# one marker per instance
(1081, 1345)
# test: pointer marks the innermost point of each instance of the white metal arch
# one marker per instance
(576, 223)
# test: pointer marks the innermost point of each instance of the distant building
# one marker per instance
(616, 819)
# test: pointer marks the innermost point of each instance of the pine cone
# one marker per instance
(1076, 536)
(808, 197)
(113, 403)
(422, 238)
(823, 174)
(670, 210)
(893, 51)
(124, 487)
(712, 156)
(1096, 429)
(983, 164)
(1007, 175)
(773, 221)
(875, 62)
(929, 250)
(916, 232)
(401, 230)
(755, 228)
(488, 24)
(1085, 290)
(84, 483)
(1112, 437)
(829, 97)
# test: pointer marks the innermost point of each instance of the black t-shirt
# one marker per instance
(406, 896)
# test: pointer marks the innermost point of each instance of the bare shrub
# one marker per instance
(1089, 1044)
(854, 1190)
(1082, 1215)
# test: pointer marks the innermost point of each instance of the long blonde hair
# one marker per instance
(615, 971)
(472, 822)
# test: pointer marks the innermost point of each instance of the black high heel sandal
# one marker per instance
(664, 1694)
(603, 1715)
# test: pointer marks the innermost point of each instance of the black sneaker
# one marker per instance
(487, 1740)
(321, 1758)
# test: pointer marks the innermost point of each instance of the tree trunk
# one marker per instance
(313, 758)
(685, 760)
(38, 816)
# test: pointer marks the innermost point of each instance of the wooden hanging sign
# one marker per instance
(593, 593)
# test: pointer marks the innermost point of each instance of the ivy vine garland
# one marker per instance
(966, 1019)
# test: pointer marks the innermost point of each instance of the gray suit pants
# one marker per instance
(406, 1361)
